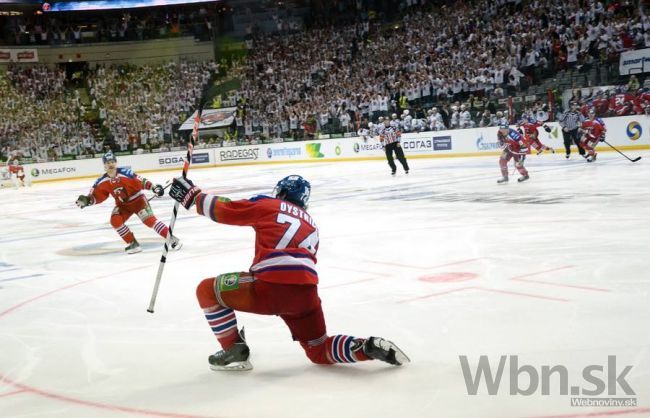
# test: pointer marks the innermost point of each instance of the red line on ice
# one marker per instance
(426, 268)
(35, 391)
(15, 392)
(542, 272)
(99, 405)
(572, 286)
(506, 292)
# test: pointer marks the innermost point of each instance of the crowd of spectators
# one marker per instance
(40, 119)
(439, 66)
(435, 54)
(134, 107)
(111, 25)
(143, 106)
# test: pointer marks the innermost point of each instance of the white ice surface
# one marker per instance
(443, 261)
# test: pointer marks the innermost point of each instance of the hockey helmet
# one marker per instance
(295, 190)
(109, 156)
(504, 126)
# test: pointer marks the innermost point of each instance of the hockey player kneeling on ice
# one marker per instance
(514, 148)
(282, 279)
(126, 188)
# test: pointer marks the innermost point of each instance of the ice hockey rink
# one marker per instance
(443, 261)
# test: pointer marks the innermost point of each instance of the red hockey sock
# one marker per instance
(159, 227)
(335, 349)
(222, 320)
(125, 233)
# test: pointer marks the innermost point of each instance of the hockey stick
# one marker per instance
(615, 149)
(169, 183)
(163, 258)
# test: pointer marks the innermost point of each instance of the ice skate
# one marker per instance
(523, 178)
(502, 180)
(392, 173)
(233, 359)
(380, 349)
(175, 243)
(133, 247)
(591, 158)
(567, 156)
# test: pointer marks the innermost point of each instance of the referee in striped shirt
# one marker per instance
(390, 140)
(570, 121)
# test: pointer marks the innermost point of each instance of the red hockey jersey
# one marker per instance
(126, 187)
(286, 236)
(594, 128)
(623, 104)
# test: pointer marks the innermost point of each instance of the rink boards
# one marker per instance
(626, 133)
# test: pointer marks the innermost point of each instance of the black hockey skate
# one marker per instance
(133, 247)
(379, 349)
(233, 359)
(523, 178)
(502, 180)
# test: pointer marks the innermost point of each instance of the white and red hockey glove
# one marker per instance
(184, 191)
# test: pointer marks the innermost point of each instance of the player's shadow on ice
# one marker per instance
(111, 247)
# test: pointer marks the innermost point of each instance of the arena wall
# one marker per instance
(626, 133)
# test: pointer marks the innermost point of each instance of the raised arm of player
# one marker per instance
(219, 209)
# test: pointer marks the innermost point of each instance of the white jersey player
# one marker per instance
(407, 121)
(366, 133)
(435, 121)
(465, 118)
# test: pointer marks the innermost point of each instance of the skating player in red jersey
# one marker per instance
(514, 148)
(531, 135)
(593, 130)
(282, 279)
(126, 188)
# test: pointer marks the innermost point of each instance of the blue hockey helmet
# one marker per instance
(504, 126)
(294, 189)
(109, 156)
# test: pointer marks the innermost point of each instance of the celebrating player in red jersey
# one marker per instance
(531, 135)
(515, 148)
(281, 281)
(623, 103)
(126, 187)
(594, 131)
